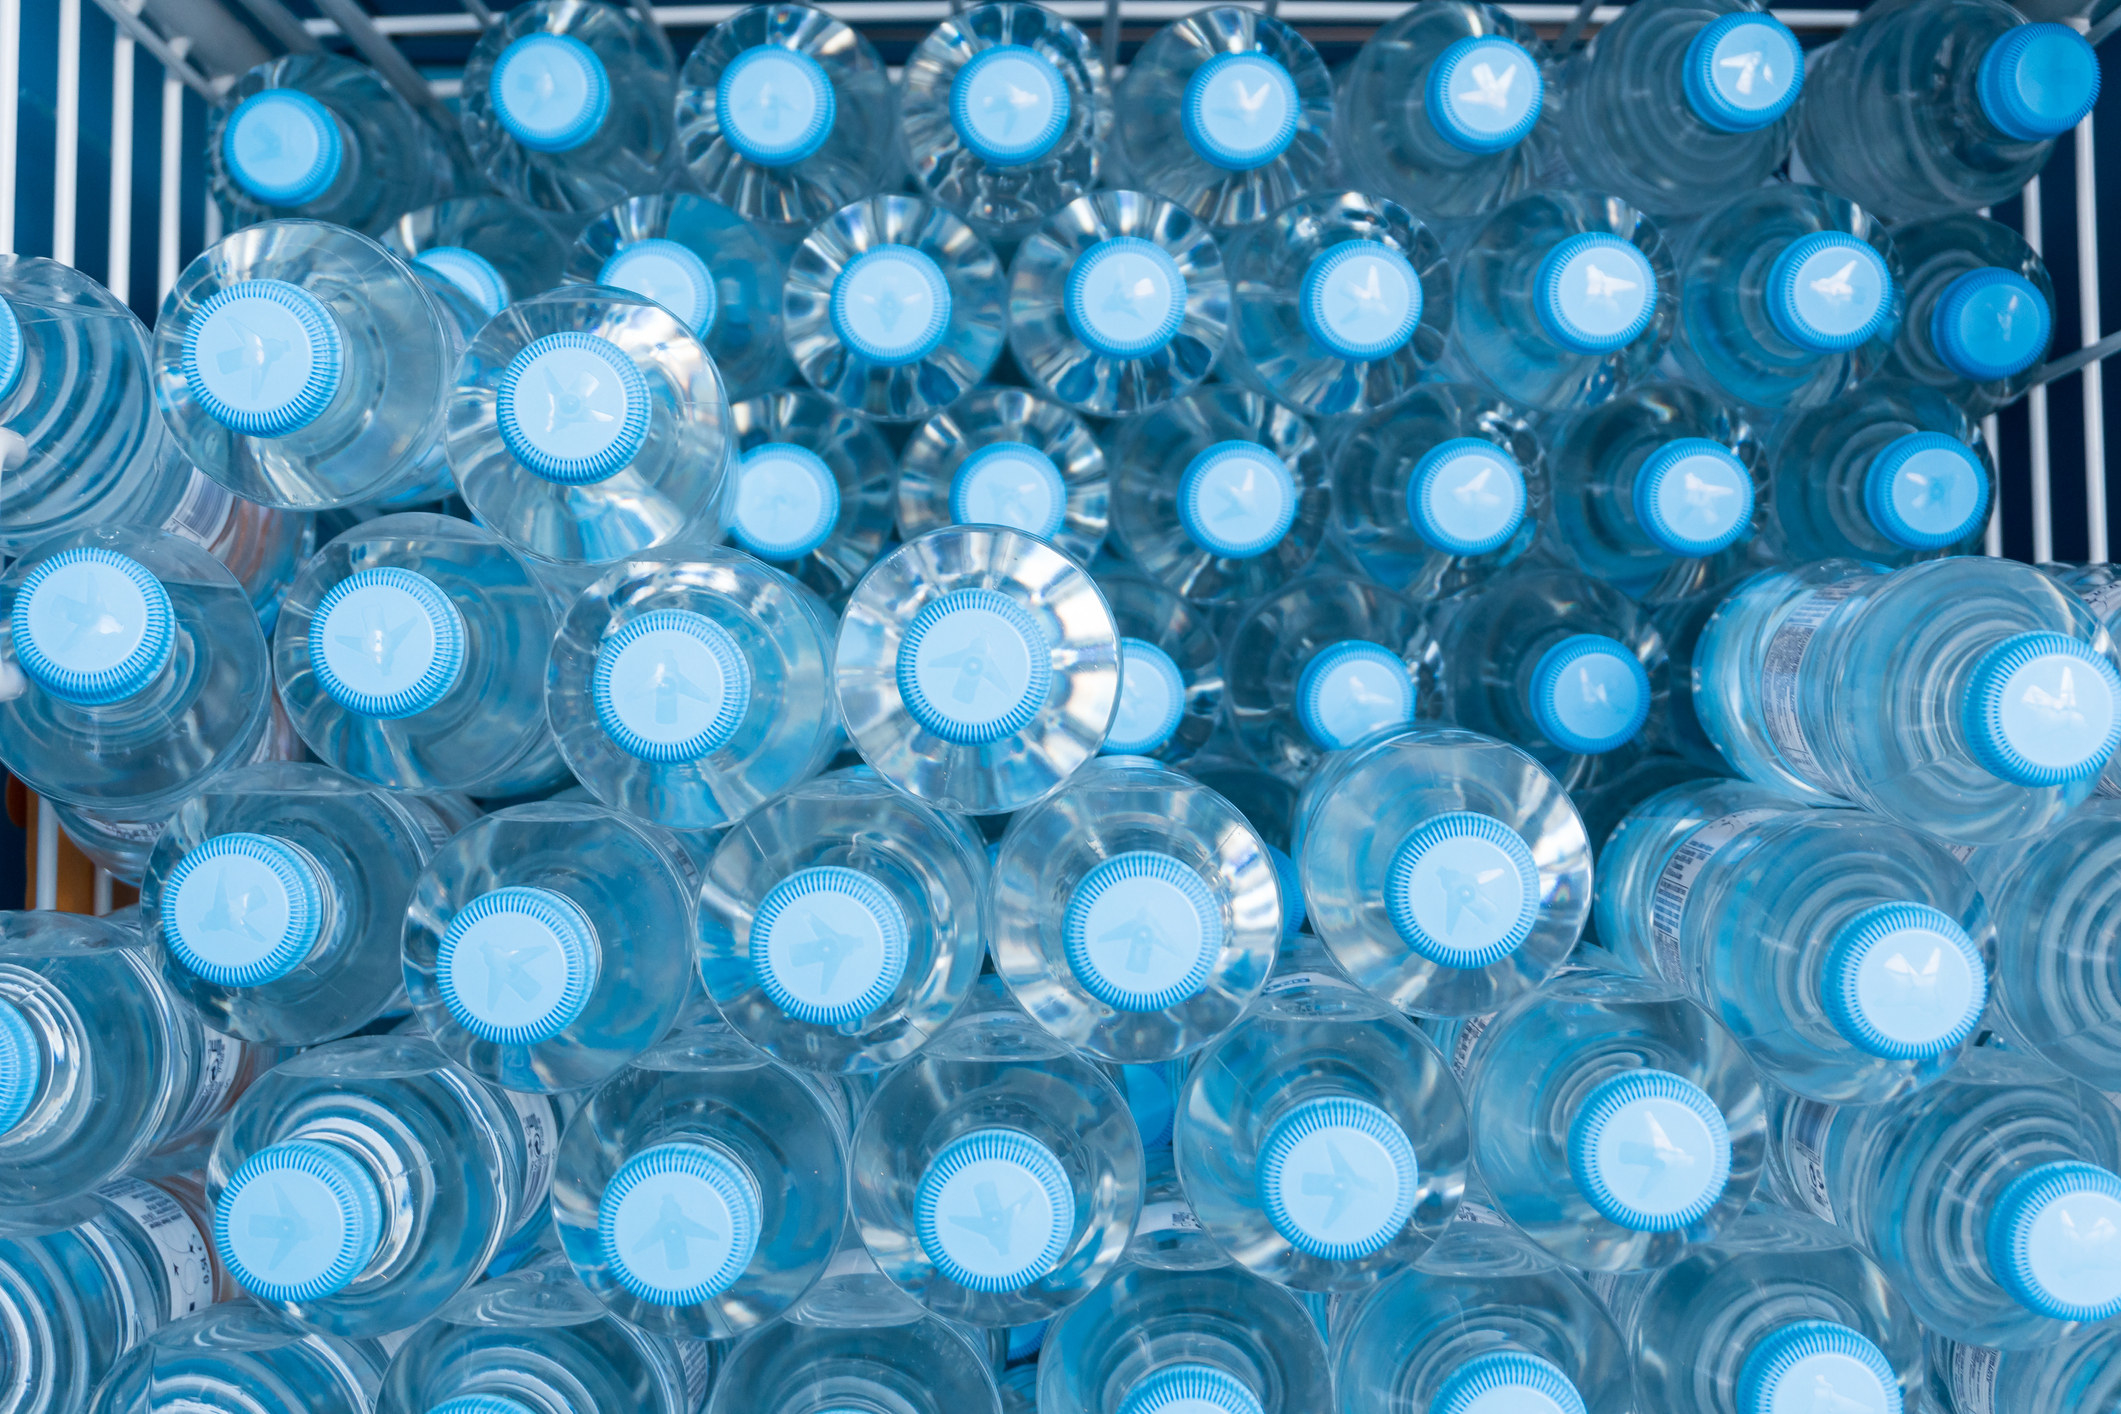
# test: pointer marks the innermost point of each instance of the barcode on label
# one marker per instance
(203, 513)
(220, 1062)
(1289, 982)
(1779, 674)
(1676, 880)
(1972, 1375)
(1809, 1122)
(696, 1361)
(186, 1264)
(1462, 1046)
(1166, 1217)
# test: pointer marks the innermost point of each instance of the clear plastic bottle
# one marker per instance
(1941, 105)
(1118, 303)
(1440, 110)
(411, 653)
(2083, 1371)
(1447, 873)
(1974, 699)
(324, 137)
(1679, 104)
(1980, 310)
(688, 688)
(1618, 1126)
(785, 115)
(715, 270)
(1222, 495)
(977, 668)
(1005, 456)
(812, 493)
(1004, 113)
(236, 1356)
(894, 307)
(1228, 112)
(1171, 672)
(275, 898)
(2095, 584)
(587, 424)
(1643, 837)
(494, 250)
(878, 892)
(261, 546)
(567, 104)
(909, 1365)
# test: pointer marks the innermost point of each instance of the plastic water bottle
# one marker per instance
(715, 270)
(2093, 583)
(1004, 456)
(1942, 105)
(1563, 298)
(275, 898)
(701, 1191)
(2021, 1159)
(320, 136)
(894, 307)
(1999, 713)
(568, 106)
(304, 366)
(259, 1356)
(1005, 111)
(1658, 491)
(260, 545)
(1789, 295)
(997, 1175)
(1980, 310)
(1681, 103)
(876, 892)
(1222, 495)
(1642, 836)
(1445, 872)
(587, 424)
(1213, 1341)
(137, 673)
(2084, 1367)
(1171, 677)
(1440, 110)
(494, 250)
(977, 668)
(688, 688)
(916, 1364)
(1118, 303)
(812, 492)
(785, 114)
(1227, 112)
(1617, 1125)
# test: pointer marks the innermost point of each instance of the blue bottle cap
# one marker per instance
(828, 945)
(386, 642)
(10, 348)
(1925, 491)
(1597, 293)
(1466, 496)
(1241, 111)
(2042, 709)
(974, 668)
(775, 105)
(470, 272)
(1463, 890)
(550, 92)
(670, 685)
(1292, 892)
(2050, 1241)
(1152, 700)
(1361, 300)
(482, 1404)
(298, 1221)
(1351, 689)
(1507, 1382)
(1650, 1151)
(517, 965)
(1009, 105)
(671, 274)
(1484, 93)
(1142, 931)
(91, 626)
(1829, 291)
(787, 501)
(1743, 71)
(678, 1224)
(240, 910)
(21, 1067)
(1903, 981)
(1126, 297)
(1990, 324)
(1237, 500)
(283, 147)
(891, 305)
(2037, 81)
(1337, 1178)
(1694, 497)
(1589, 694)
(1010, 483)
(1809, 1365)
(1190, 1389)
(572, 407)
(995, 1210)
(262, 358)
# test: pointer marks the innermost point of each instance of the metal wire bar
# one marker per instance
(66, 150)
(2088, 321)
(118, 274)
(170, 53)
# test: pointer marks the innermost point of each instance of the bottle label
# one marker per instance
(221, 1060)
(1676, 880)
(143, 833)
(186, 1263)
(540, 1124)
(1462, 1046)
(696, 1363)
(1290, 981)
(2101, 601)
(1172, 1216)
(1809, 1122)
(1972, 1375)
(1481, 1213)
(203, 514)
(1780, 672)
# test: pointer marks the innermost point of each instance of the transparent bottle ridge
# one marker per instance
(2093, 584)
(1980, 310)
(240, 1352)
(1006, 456)
(494, 250)
(1171, 677)
(813, 488)
(921, 1365)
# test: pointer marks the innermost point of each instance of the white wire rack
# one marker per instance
(181, 39)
